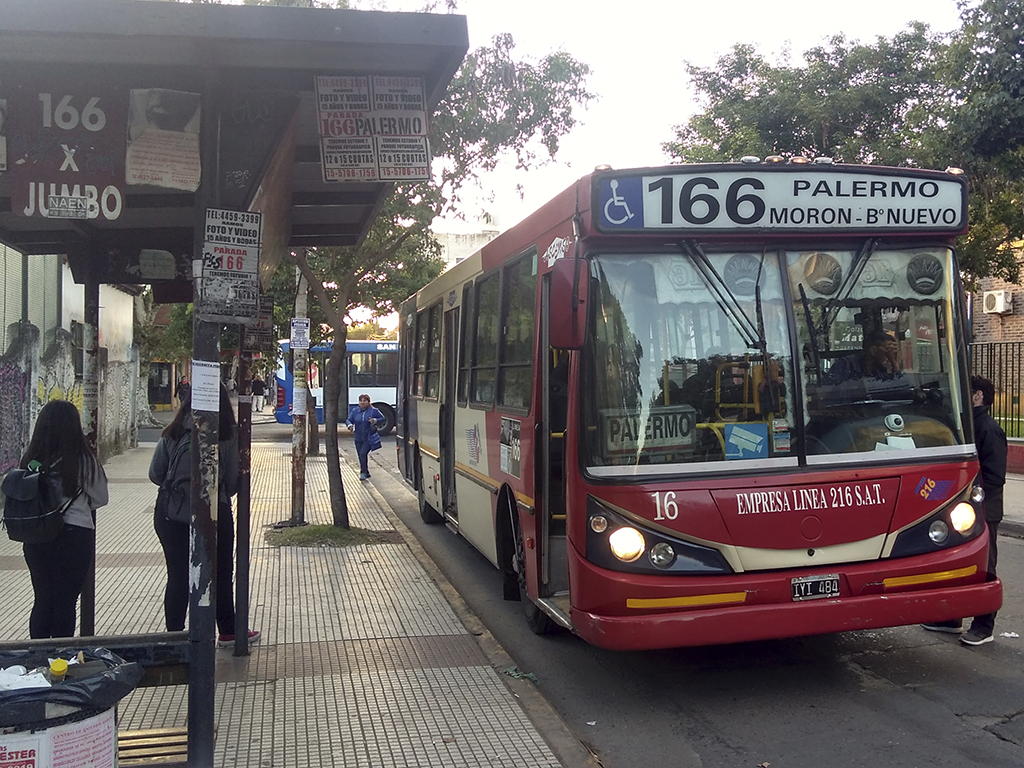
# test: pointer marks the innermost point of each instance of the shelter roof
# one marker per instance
(258, 63)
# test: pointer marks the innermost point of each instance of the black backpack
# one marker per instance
(174, 499)
(33, 512)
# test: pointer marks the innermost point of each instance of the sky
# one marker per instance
(636, 50)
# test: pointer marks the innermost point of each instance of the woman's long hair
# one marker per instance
(58, 442)
(226, 427)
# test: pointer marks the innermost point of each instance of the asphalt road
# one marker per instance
(887, 698)
(891, 698)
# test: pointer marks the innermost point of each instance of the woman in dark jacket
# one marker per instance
(59, 568)
(174, 536)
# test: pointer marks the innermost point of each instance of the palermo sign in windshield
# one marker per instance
(787, 198)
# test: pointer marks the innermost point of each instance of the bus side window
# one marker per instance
(362, 370)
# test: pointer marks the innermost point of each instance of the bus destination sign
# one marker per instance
(802, 198)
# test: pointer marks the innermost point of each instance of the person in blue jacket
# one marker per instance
(362, 420)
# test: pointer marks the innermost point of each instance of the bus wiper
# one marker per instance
(769, 380)
(726, 300)
(809, 319)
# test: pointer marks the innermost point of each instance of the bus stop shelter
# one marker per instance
(132, 133)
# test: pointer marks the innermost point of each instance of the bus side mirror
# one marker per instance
(568, 325)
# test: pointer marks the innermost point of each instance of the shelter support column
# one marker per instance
(90, 423)
(202, 600)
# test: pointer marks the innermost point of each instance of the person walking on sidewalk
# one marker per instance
(991, 442)
(58, 568)
(174, 536)
(258, 391)
(362, 420)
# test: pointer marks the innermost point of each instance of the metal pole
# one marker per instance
(244, 499)
(90, 420)
(299, 388)
(202, 599)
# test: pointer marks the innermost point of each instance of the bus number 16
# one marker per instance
(665, 505)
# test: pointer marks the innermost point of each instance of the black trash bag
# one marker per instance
(27, 707)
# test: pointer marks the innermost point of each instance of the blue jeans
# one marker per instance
(363, 450)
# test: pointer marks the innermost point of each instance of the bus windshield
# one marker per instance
(692, 362)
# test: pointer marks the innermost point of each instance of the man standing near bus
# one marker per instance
(258, 391)
(991, 442)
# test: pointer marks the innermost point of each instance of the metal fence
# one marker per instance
(1002, 363)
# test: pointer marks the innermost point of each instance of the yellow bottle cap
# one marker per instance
(58, 667)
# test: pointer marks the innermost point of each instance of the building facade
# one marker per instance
(41, 353)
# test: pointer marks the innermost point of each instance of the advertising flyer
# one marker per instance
(372, 128)
(231, 260)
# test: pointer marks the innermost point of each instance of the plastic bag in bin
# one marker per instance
(113, 679)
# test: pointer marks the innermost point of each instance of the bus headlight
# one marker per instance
(627, 544)
(938, 531)
(962, 517)
(950, 526)
(977, 494)
(599, 523)
(662, 555)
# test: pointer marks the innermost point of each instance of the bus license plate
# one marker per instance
(816, 587)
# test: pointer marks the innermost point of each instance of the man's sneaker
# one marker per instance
(227, 641)
(975, 637)
(950, 627)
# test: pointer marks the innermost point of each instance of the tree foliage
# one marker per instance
(916, 99)
(496, 107)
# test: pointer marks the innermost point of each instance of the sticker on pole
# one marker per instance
(300, 333)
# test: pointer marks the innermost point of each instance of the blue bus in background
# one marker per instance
(372, 368)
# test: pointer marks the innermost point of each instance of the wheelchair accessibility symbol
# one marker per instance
(616, 210)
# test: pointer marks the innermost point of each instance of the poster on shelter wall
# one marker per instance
(163, 139)
(372, 128)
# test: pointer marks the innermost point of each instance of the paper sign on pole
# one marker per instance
(205, 386)
(300, 333)
(231, 260)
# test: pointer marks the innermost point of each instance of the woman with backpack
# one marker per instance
(171, 467)
(59, 568)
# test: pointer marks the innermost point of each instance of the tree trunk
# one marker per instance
(332, 395)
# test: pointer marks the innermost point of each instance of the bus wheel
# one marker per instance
(428, 514)
(538, 621)
(389, 418)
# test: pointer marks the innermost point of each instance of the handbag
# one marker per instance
(33, 513)
(373, 439)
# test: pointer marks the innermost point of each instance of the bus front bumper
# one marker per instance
(736, 608)
(718, 626)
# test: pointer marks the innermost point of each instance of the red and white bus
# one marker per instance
(706, 404)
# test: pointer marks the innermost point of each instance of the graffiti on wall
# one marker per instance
(52, 377)
(13, 391)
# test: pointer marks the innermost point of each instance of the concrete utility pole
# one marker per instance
(299, 388)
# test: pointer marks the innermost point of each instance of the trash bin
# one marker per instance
(71, 724)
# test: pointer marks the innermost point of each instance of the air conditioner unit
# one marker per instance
(998, 302)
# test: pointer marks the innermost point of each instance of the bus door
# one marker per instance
(449, 388)
(551, 467)
(406, 426)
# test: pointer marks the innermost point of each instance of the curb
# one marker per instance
(569, 750)
(1012, 528)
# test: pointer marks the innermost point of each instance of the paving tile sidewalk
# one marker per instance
(362, 662)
